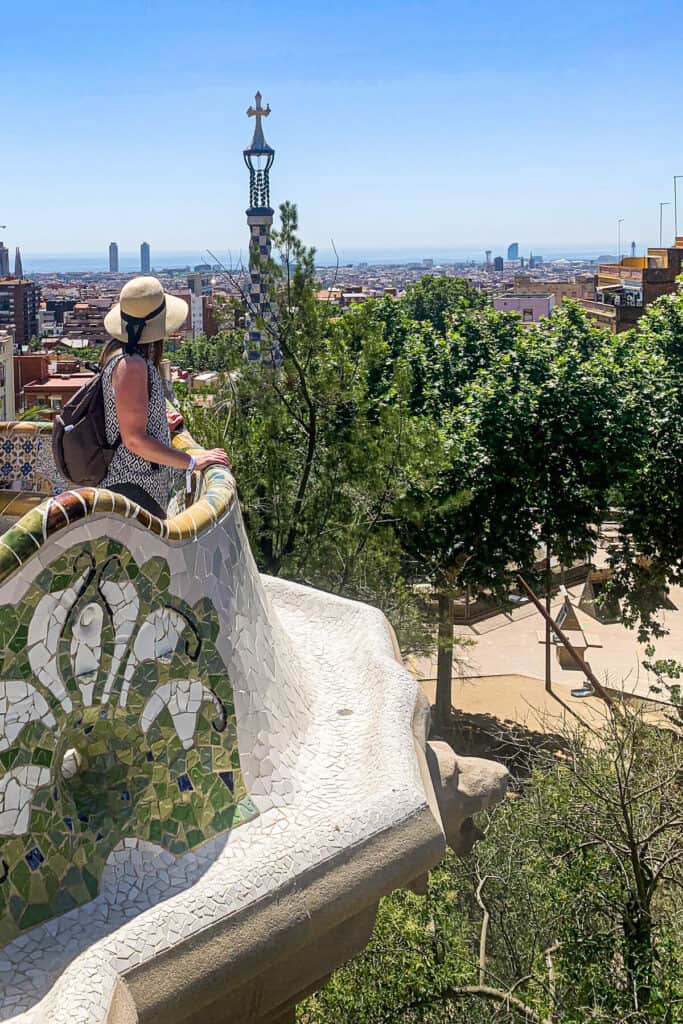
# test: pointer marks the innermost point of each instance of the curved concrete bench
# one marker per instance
(208, 778)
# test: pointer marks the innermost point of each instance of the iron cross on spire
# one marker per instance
(258, 112)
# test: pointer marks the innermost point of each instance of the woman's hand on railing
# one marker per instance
(215, 457)
(175, 420)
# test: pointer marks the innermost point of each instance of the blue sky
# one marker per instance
(405, 125)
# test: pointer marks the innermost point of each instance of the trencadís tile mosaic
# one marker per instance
(116, 720)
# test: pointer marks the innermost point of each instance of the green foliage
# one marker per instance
(534, 427)
(649, 557)
(200, 354)
(419, 947)
(581, 878)
(320, 454)
(431, 438)
(435, 300)
(35, 414)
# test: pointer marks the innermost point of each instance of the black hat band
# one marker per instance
(135, 325)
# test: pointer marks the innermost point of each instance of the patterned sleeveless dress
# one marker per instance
(126, 467)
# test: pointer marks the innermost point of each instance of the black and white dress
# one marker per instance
(126, 467)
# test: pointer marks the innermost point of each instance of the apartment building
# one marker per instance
(19, 304)
(580, 287)
(85, 321)
(531, 306)
(624, 290)
(7, 405)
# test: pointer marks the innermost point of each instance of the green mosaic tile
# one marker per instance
(134, 685)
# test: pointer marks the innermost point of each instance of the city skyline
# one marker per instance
(129, 261)
(460, 129)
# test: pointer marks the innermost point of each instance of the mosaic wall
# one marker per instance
(26, 461)
(116, 720)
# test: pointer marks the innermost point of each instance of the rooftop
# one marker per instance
(525, 295)
(60, 380)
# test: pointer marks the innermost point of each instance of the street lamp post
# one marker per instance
(661, 208)
(619, 223)
(677, 177)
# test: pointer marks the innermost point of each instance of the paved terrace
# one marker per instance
(506, 645)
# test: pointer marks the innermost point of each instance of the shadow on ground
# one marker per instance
(514, 745)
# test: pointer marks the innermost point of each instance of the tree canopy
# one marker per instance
(649, 555)
(432, 439)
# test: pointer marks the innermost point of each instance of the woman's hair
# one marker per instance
(153, 351)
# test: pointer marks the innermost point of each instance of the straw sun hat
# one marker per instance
(145, 313)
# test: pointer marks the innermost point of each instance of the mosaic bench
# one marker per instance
(205, 785)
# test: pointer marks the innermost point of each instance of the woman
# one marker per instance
(134, 398)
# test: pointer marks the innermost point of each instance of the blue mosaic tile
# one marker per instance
(34, 858)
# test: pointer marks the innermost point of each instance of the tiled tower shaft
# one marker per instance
(261, 342)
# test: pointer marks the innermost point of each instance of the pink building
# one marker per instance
(530, 307)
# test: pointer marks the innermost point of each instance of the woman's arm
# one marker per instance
(132, 399)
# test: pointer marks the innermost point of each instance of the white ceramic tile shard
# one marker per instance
(86, 642)
(71, 763)
(322, 782)
(157, 637)
(123, 599)
(20, 704)
(183, 699)
(17, 788)
(45, 630)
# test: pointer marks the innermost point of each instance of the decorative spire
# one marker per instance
(259, 158)
(261, 342)
(18, 269)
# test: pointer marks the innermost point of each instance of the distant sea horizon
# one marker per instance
(93, 263)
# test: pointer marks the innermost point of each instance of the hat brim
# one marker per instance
(167, 322)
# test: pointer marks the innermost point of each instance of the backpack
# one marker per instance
(79, 437)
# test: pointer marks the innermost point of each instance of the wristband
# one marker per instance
(188, 473)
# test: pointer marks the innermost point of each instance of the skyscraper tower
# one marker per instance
(113, 258)
(513, 251)
(633, 248)
(145, 258)
(18, 269)
(488, 257)
(4, 260)
(260, 343)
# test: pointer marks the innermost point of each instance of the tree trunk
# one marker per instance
(444, 669)
(638, 951)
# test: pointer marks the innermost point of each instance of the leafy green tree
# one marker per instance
(567, 912)
(436, 300)
(555, 419)
(542, 426)
(649, 555)
(320, 454)
(202, 353)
